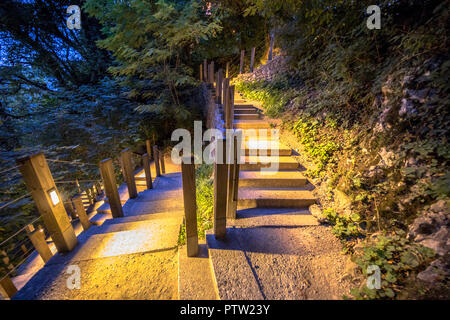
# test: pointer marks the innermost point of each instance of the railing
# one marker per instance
(16, 249)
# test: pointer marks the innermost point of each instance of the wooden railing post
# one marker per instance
(219, 86)
(37, 238)
(241, 66)
(69, 208)
(252, 60)
(156, 157)
(227, 69)
(40, 183)
(271, 47)
(98, 187)
(128, 173)
(211, 73)
(226, 84)
(201, 73)
(110, 185)
(90, 196)
(148, 146)
(82, 215)
(7, 288)
(233, 178)
(162, 161)
(190, 205)
(147, 170)
(229, 111)
(205, 70)
(220, 190)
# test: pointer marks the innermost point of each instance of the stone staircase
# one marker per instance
(126, 257)
(258, 259)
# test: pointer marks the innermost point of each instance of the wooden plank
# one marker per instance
(78, 203)
(128, 173)
(110, 185)
(201, 73)
(148, 172)
(190, 205)
(37, 238)
(220, 191)
(227, 70)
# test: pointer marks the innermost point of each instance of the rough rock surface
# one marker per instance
(432, 230)
(267, 71)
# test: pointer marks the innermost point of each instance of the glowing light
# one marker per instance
(54, 196)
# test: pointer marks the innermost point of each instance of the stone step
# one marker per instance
(272, 217)
(145, 217)
(152, 224)
(246, 111)
(280, 179)
(233, 276)
(265, 147)
(195, 278)
(274, 198)
(251, 124)
(247, 116)
(277, 163)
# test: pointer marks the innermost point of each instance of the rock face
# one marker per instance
(267, 71)
(432, 230)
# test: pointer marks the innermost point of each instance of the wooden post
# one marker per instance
(271, 47)
(128, 173)
(241, 66)
(163, 164)
(90, 196)
(98, 187)
(37, 238)
(252, 60)
(201, 73)
(69, 207)
(148, 146)
(110, 185)
(40, 183)
(147, 170)
(220, 190)
(219, 86)
(227, 69)
(78, 203)
(156, 157)
(226, 84)
(190, 205)
(7, 288)
(231, 107)
(205, 70)
(211, 73)
(233, 179)
(229, 113)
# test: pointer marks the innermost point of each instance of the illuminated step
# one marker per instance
(246, 116)
(280, 179)
(274, 198)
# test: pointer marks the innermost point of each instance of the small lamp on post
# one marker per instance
(54, 197)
